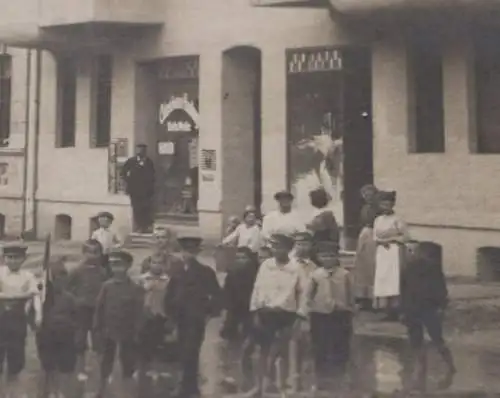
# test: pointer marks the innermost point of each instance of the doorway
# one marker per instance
(330, 130)
(177, 134)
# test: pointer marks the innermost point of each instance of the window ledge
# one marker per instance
(6, 151)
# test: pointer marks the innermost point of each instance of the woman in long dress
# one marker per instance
(364, 271)
(390, 234)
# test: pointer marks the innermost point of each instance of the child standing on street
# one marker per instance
(17, 289)
(106, 236)
(424, 298)
(155, 283)
(118, 319)
(277, 304)
(85, 283)
(300, 341)
(331, 304)
(237, 291)
(56, 337)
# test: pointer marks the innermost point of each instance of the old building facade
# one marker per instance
(237, 100)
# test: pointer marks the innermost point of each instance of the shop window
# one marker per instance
(5, 97)
(66, 102)
(63, 227)
(426, 74)
(102, 81)
(487, 81)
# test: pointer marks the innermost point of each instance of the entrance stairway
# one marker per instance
(179, 224)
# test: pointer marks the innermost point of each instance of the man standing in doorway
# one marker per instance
(139, 175)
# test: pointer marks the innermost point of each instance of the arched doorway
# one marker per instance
(62, 230)
(241, 129)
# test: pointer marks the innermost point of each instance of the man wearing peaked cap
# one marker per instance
(121, 255)
(190, 243)
(281, 240)
(193, 295)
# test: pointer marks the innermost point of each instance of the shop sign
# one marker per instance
(185, 121)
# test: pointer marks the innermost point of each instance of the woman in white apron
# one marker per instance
(390, 233)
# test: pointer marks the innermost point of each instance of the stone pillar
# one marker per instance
(274, 135)
(210, 189)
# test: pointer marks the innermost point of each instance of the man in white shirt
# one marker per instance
(285, 220)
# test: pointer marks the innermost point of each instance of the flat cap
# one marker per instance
(15, 248)
(122, 255)
(106, 214)
(327, 246)
(190, 242)
(283, 195)
(303, 237)
(281, 240)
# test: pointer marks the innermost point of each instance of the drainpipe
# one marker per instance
(26, 140)
(38, 89)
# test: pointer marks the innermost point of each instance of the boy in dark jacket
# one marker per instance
(118, 319)
(56, 337)
(238, 288)
(85, 283)
(424, 298)
(193, 296)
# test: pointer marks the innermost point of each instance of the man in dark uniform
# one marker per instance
(192, 297)
(139, 175)
(17, 288)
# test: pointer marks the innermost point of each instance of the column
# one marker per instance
(274, 136)
(210, 189)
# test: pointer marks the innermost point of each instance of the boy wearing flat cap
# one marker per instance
(330, 299)
(283, 221)
(118, 319)
(302, 252)
(192, 297)
(277, 303)
(17, 289)
(105, 235)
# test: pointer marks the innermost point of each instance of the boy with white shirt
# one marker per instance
(331, 304)
(108, 239)
(284, 221)
(17, 288)
(277, 303)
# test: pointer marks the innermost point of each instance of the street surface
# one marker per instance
(378, 364)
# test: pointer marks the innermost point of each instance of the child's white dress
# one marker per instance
(388, 260)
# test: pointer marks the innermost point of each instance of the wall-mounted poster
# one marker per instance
(117, 156)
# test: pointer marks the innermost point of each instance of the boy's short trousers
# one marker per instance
(270, 324)
(84, 327)
(56, 351)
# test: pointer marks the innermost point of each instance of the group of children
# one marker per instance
(289, 305)
(96, 301)
(281, 301)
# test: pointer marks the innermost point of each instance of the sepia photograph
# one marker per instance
(249, 199)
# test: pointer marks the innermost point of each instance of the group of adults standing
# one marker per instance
(379, 255)
(285, 220)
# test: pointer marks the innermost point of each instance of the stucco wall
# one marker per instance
(68, 173)
(439, 192)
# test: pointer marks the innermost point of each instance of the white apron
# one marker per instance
(387, 278)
